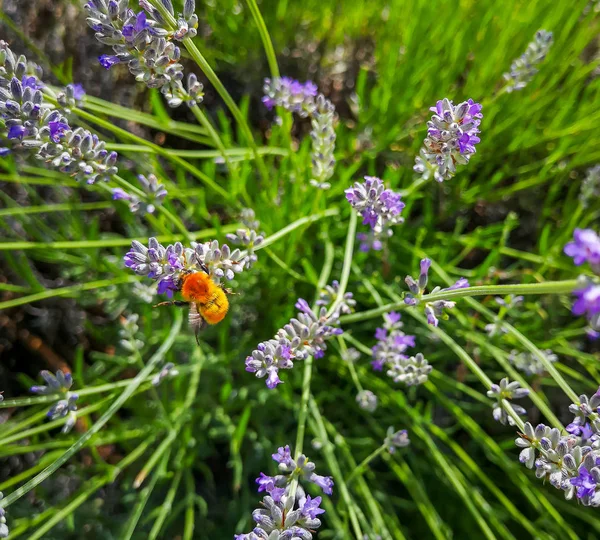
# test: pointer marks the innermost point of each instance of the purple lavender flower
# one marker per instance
(324, 482)
(462, 283)
(108, 60)
(17, 132)
(369, 241)
(392, 342)
(367, 400)
(588, 301)
(283, 455)
(396, 439)
(585, 247)
(451, 138)
(57, 130)
(311, 507)
(290, 94)
(265, 483)
(154, 190)
(380, 208)
(66, 405)
(584, 482)
(506, 390)
(304, 336)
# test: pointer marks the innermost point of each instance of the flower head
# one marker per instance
(506, 390)
(585, 483)
(585, 247)
(155, 193)
(529, 363)
(523, 69)
(396, 439)
(451, 138)
(66, 406)
(392, 343)
(367, 400)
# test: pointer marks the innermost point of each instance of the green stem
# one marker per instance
(360, 469)
(205, 122)
(265, 37)
(218, 85)
(115, 406)
(549, 287)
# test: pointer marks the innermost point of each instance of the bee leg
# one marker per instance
(197, 334)
(204, 268)
(177, 303)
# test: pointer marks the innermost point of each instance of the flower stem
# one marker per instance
(549, 287)
(360, 468)
(265, 37)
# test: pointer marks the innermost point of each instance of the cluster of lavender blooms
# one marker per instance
(367, 400)
(166, 265)
(523, 69)
(529, 363)
(329, 296)
(506, 390)
(590, 187)
(247, 236)
(143, 41)
(304, 100)
(3, 526)
(396, 439)
(287, 513)
(305, 335)
(129, 333)
(31, 124)
(585, 247)
(506, 304)
(154, 190)
(570, 463)
(451, 139)
(59, 384)
(433, 310)
(379, 207)
(389, 351)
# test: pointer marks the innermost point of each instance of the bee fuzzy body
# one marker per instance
(209, 299)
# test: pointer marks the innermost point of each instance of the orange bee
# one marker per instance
(207, 300)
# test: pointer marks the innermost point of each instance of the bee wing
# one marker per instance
(196, 320)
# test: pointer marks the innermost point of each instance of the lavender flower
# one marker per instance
(529, 363)
(248, 236)
(367, 400)
(380, 208)
(587, 409)
(168, 370)
(303, 336)
(590, 187)
(409, 371)
(585, 247)
(451, 139)
(34, 126)
(142, 41)
(588, 303)
(292, 95)
(433, 310)
(3, 527)
(330, 296)
(350, 355)
(304, 100)
(287, 512)
(396, 439)
(166, 265)
(155, 193)
(59, 384)
(506, 390)
(567, 465)
(523, 69)
(323, 138)
(392, 342)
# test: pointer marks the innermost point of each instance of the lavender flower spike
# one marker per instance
(59, 384)
(304, 100)
(523, 69)
(506, 390)
(451, 138)
(155, 194)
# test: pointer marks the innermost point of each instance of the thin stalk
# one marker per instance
(360, 469)
(549, 287)
(47, 208)
(206, 123)
(265, 37)
(116, 405)
(217, 84)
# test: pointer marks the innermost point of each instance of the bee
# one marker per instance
(206, 299)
